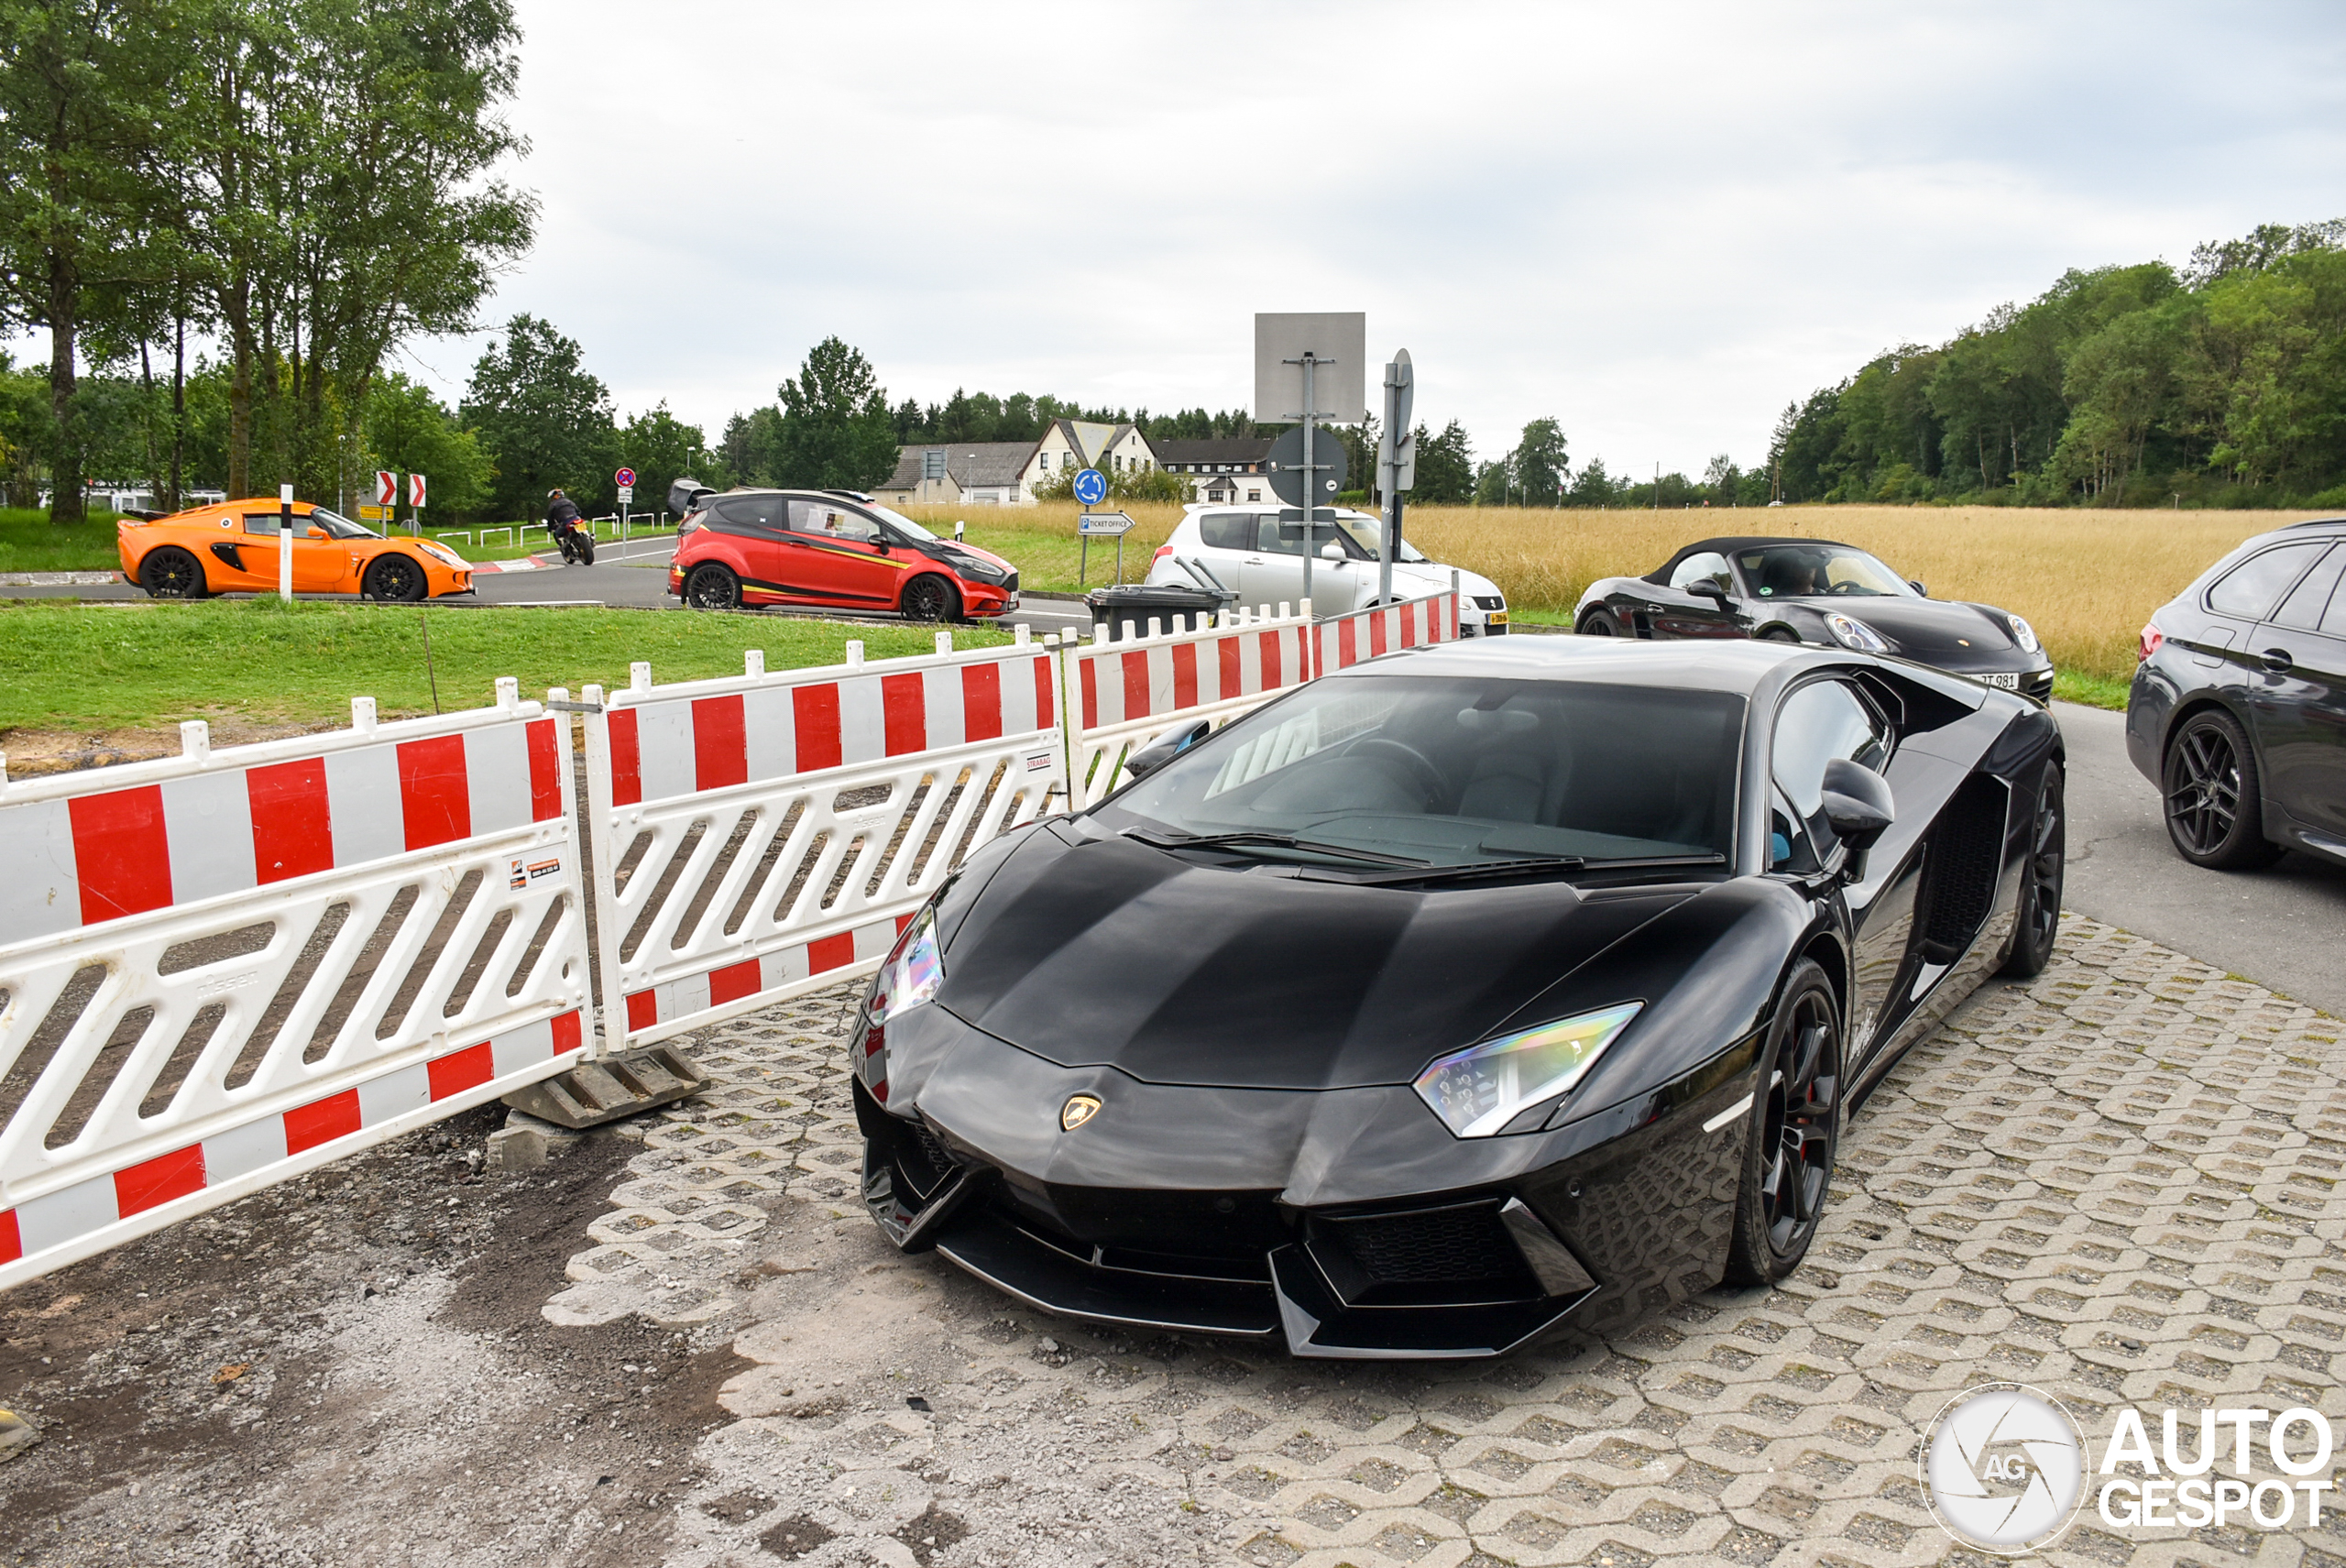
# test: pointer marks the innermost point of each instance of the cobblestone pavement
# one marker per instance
(2119, 1183)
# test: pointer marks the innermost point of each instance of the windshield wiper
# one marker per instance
(1254, 839)
(1523, 864)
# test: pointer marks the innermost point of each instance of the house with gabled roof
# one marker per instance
(1008, 473)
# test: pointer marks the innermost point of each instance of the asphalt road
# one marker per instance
(2281, 926)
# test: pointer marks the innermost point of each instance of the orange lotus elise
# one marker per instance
(232, 547)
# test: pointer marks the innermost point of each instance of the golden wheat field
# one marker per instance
(2085, 579)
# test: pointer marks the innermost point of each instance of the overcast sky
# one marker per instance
(1656, 223)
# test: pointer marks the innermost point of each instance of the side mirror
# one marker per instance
(1166, 747)
(1332, 551)
(1857, 804)
(316, 532)
(1918, 587)
(1708, 588)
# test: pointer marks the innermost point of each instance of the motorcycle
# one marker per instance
(576, 543)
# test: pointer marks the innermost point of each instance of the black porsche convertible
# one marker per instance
(1813, 591)
(1459, 997)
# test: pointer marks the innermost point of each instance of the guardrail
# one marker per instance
(220, 970)
(761, 835)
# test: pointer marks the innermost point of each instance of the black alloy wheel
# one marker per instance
(2215, 801)
(2038, 919)
(1598, 622)
(395, 577)
(929, 598)
(711, 586)
(171, 573)
(1796, 1124)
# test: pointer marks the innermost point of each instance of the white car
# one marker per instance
(1248, 550)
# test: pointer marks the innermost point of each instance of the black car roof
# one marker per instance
(1729, 546)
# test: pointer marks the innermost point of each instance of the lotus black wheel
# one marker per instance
(171, 574)
(395, 577)
(2215, 801)
(2038, 919)
(930, 597)
(711, 586)
(1795, 1121)
(1598, 622)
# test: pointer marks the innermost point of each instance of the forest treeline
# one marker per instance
(2222, 384)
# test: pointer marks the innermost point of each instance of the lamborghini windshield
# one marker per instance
(1455, 772)
(1801, 571)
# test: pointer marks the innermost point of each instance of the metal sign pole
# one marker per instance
(285, 542)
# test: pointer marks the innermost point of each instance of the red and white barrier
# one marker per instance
(1121, 692)
(1345, 640)
(764, 835)
(221, 970)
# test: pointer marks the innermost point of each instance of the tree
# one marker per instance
(408, 431)
(544, 420)
(1495, 483)
(1539, 463)
(834, 432)
(80, 139)
(1445, 466)
(660, 448)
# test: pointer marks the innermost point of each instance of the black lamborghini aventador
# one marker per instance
(1813, 591)
(1462, 996)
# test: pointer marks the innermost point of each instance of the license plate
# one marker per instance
(1493, 616)
(2006, 679)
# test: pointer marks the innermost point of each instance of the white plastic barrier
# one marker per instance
(764, 835)
(224, 968)
(1345, 640)
(1119, 694)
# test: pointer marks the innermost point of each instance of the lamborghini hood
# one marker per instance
(1107, 952)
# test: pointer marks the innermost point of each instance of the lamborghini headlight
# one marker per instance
(912, 972)
(1855, 633)
(1483, 1087)
(2024, 634)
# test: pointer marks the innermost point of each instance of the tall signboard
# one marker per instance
(1310, 367)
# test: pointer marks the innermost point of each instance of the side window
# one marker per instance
(2251, 589)
(753, 510)
(1819, 722)
(1281, 541)
(831, 520)
(260, 522)
(1695, 568)
(2303, 607)
(1227, 530)
(1789, 848)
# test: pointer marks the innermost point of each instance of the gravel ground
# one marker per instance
(685, 1342)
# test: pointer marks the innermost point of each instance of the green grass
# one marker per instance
(86, 667)
(30, 543)
(1046, 556)
(2094, 691)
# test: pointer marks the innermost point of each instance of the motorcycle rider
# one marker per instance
(561, 519)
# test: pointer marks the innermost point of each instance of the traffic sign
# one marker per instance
(624, 479)
(373, 514)
(1102, 522)
(415, 489)
(1091, 487)
(387, 487)
(1397, 446)
(627, 495)
(1284, 465)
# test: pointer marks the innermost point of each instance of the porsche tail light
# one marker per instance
(2152, 638)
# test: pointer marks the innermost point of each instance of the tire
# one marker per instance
(171, 573)
(587, 549)
(2037, 921)
(395, 579)
(929, 598)
(2213, 796)
(1597, 622)
(711, 586)
(1795, 1125)
(1779, 634)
